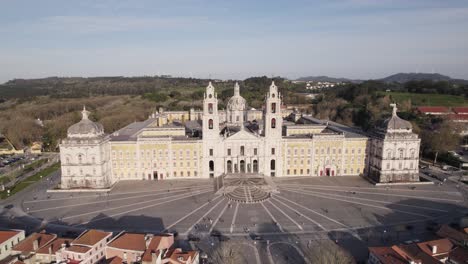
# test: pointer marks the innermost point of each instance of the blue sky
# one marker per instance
(232, 39)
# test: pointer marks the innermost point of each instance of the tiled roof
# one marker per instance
(7, 234)
(387, 255)
(129, 241)
(27, 245)
(418, 255)
(177, 256)
(452, 234)
(443, 247)
(459, 255)
(91, 237)
(55, 245)
(78, 249)
(163, 241)
(460, 110)
(434, 109)
(147, 256)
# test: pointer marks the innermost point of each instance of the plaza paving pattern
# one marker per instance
(302, 206)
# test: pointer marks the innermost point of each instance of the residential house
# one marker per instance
(88, 248)
(8, 239)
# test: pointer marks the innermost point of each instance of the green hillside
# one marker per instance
(428, 99)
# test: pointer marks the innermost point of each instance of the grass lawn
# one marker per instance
(30, 180)
(428, 99)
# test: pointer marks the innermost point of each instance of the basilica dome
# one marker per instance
(237, 102)
(395, 123)
(85, 128)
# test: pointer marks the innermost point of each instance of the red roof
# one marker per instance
(5, 235)
(460, 110)
(54, 246)
(129, 241)
(433, 109)
(386, 255)
(442, 247)
(91, 237)
(27, 245)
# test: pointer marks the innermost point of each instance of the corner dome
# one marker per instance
(395, 123)
(237, 102)
(85, 128)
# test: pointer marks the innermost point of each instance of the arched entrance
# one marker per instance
(255, 166)
(211, 167)
(242, 166)
(229, 166)
(272, 167)
(328, 170)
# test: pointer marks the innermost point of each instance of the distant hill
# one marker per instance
(395, 78)
(406, 77)
(324, 79)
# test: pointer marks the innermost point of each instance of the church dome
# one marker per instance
(395, 123)
(85, 128)
(237, 102)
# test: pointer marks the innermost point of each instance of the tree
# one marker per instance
(227, 253)
(328, 252)
(443, 137)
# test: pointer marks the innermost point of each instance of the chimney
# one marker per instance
(434, 249)
(35, 244)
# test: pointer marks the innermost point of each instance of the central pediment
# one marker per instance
(243, 135)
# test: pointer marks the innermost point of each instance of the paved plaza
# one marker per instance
(304, 209)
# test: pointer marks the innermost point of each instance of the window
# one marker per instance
(272, 151)
(288, 171)
(211, 165)
(255, 166)
(211, 152)
(242, 149)
(80, 158)
(210, 108)
(229, 152)
(273, 123)
(272, 165)
(210, 124)
(401, 153)
(273, 107)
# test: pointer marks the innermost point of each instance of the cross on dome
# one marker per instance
(84, 113)
(236, 89)
(394, 111)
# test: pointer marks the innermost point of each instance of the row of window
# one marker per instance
(81, 172)
(323, 151)
(155, 165)
(331, 173)
(242, 151)
(153, 154)
(338, 161)
(189, 173)
(400, 166)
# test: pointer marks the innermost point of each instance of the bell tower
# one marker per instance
(210, 113)
(272, 118)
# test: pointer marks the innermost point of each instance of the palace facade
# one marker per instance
(238, 140)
